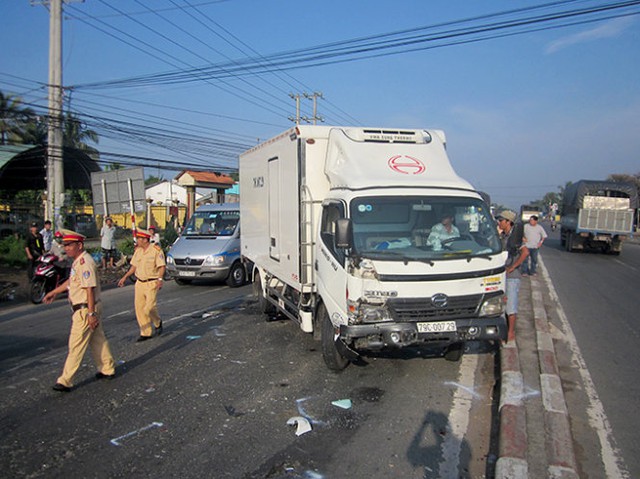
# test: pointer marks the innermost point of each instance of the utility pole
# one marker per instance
(310, 96)
(55, 163)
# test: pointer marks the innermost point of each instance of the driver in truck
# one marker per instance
(443, 231)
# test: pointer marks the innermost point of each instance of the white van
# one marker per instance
(209, 247)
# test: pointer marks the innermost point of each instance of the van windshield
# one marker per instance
(423, 228)
(212, 223)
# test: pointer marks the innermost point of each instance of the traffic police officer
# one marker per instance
(148, 264)
(86, 329)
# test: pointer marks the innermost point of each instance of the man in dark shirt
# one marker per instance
(34, 247)
(512, 235)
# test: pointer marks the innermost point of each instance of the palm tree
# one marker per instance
(76, 134)
(13, 119)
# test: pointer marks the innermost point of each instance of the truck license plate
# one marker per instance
(187, 273)
(437, 327)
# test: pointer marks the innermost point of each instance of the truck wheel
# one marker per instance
(183, 282)
(454, 352)
(264, 306)
(332, 358)
(569, 242)
(236, 275)
(563, 241)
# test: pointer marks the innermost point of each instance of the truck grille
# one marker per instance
(423, 309)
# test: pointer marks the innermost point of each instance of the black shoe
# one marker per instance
(61, 388)
(142, 338)
(100, 375)
(159, 329)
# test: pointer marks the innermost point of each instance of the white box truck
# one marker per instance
(369, 239)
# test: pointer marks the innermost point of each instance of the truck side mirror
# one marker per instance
(344, 233)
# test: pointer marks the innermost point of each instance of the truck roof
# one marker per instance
(574, 193)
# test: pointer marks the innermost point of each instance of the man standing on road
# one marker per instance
(47, 236)
(534, 235)
(511, 234)
(34, 247)
(86, 329)
(148, 264)
(108, 242)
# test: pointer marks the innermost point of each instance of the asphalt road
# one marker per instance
(211, 397)
(599, 296)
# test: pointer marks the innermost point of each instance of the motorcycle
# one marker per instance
(49, 273)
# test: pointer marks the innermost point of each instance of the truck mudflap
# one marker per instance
(378, 336)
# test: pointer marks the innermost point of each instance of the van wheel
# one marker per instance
(264, 306)
(236, 275)
(454, 352)
(182, 282)
(332, 357)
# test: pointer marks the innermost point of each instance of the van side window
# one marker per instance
(330, 214)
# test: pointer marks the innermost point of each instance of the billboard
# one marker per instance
(116, 190)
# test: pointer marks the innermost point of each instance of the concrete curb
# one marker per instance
(560, 456)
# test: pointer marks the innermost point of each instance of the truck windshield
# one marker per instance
(212, 223)
(423, 228)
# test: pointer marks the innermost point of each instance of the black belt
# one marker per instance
(76, 307)
(147, 280)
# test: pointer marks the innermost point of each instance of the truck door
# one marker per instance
(331, 276)
(274, 208)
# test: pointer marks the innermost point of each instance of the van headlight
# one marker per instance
(170, 259)
(493, 306)
(214, 260)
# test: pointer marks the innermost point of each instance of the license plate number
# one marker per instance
(437, 327)
(187, 273)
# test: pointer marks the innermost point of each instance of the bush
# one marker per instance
(169, 237)
(12, 252)
(126, 247)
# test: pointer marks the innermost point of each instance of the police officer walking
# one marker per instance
(148, 264)
(86, 328)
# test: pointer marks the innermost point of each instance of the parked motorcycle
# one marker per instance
(49, 273)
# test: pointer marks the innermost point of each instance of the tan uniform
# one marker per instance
(148, 264)
(84, 275)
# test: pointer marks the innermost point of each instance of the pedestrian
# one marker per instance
(47, 236)
(512, 236)
(86, 328)
(155, 237)
(34, 248)
(108, 242)
(148, 264)
(534, 235)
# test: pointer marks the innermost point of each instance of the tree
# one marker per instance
(150, 180)
(13, 119)
(623, 177)
(114, 166)
(76, 134)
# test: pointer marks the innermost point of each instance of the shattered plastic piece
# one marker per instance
(343, 403)
(191, 338)
(303, 423)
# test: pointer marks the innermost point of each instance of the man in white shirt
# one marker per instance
(108, 242)
(534, 235)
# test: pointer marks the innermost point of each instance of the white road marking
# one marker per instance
(611, 456)
(459, 417)
(625, 265)
(116, 441)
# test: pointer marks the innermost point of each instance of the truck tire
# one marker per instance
(264, 306)
(563, 241)
(332, 357)
(569, 242)
(236, 276)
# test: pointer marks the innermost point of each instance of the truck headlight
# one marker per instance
(492, 306)
(214, 260)
(170, 259)
(367, 313)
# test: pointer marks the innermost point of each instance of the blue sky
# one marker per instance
(523, 114)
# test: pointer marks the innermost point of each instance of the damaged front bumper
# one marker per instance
(373, 337)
